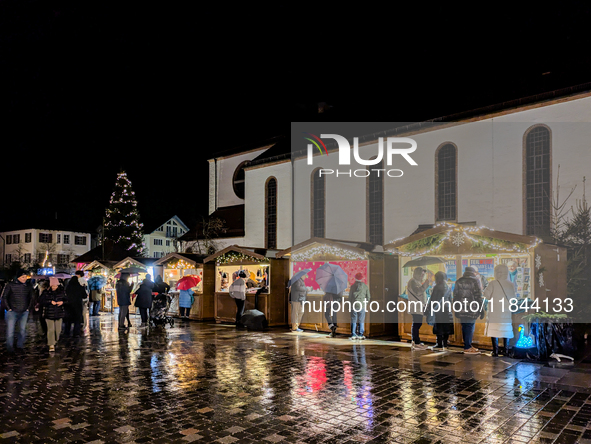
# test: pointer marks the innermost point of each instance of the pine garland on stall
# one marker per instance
(122, 219)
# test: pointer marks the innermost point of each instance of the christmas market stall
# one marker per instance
(138, 267)
(175, 266)
(106, 270)
(537, 270)
(266, 279)
(353, 258)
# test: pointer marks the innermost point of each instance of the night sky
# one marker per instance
(93, 88)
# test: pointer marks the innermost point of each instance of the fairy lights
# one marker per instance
(328, 250)
(233, 257)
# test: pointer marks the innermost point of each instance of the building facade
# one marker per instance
(163, 239)
(44, 248)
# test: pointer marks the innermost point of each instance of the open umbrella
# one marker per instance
(254, 320)
(424, 261)
(97, 282)
(331, 278)
(187, 282)
(296, 277)
(133, 270)
(62, 275)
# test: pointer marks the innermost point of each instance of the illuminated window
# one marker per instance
(446, 183)
(375, 205)
(537, 181)
(318, 204)
(271, 213)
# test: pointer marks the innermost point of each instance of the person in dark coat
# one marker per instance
(468, 293)
(17, 300)
(75, 294)
(160, 286)
(123, 290)
(442, 310)
(52, 302)
(143, 299)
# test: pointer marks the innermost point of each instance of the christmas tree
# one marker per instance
(122, 220)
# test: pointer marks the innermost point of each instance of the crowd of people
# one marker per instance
(61, 305)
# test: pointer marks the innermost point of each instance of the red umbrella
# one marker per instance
(187, 282)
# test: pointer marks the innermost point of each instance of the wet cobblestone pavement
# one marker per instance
(199, 382)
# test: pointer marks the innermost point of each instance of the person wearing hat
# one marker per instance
(358, 297)
(17, 298)
(52, 302)
(467, 290)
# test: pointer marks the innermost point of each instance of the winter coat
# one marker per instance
(359, 291)
(238, 289)
(50, 311)
(75, 294)
(18, 297)
(298, 291)
(416, 293)
(160, 286)
(123, 290)
(96, 295)
(444, 318)
(499, 322)
(144, 294)
(467, 289)
(185, 298)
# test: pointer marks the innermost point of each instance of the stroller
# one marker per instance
(159, 310)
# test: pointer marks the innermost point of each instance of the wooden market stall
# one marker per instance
(267, 275)
(105, 268)
(353, 258)
(174, 266)
(145, 264)
(538, 270)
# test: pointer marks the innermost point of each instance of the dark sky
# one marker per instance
(94, 87)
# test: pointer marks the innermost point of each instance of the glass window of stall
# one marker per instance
(257, 276)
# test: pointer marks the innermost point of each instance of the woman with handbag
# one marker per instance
(499, 322)
(52, 302)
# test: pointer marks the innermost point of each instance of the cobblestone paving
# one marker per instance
(204, 383)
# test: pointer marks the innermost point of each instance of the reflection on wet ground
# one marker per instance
(199, 382)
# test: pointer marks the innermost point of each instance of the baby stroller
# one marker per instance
(159, 310)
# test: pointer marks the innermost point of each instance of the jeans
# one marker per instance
(94, 308)
(68, 328)
(417, 321)
(12, 320)
(442, 340)
(468, 326)
(357, 319)
(184, 311)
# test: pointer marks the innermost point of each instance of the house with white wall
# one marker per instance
(46, 248)
(161, 239)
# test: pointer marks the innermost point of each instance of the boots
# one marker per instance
(495, 347)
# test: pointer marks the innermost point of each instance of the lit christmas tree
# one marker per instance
(122, 220)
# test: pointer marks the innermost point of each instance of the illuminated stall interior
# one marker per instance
(353, 258)
(106, 269)
(458, 246)
(265, 278)
(177, 265)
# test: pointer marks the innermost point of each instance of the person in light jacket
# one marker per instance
(238, 292)
(52, 302)
(417, 298)
(185, 302)
(498, 321)
(297, 295)
(358, 297)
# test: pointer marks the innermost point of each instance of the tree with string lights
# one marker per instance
(122, 219)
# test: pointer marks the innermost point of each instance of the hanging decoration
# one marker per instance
(179, 264)
(327, 251)
(233, 257)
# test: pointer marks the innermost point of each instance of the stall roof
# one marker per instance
(357, 247)
(112, 252)
(192, 258)
(102, 264)
(468, 228)
(250, 251)
(143, 262)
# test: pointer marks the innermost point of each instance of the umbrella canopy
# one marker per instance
(118, 275)
(62, 275)
(423, 261)
(331, 278)
(254, 320)
(187, 282)
(296, 277)
(97, 282)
